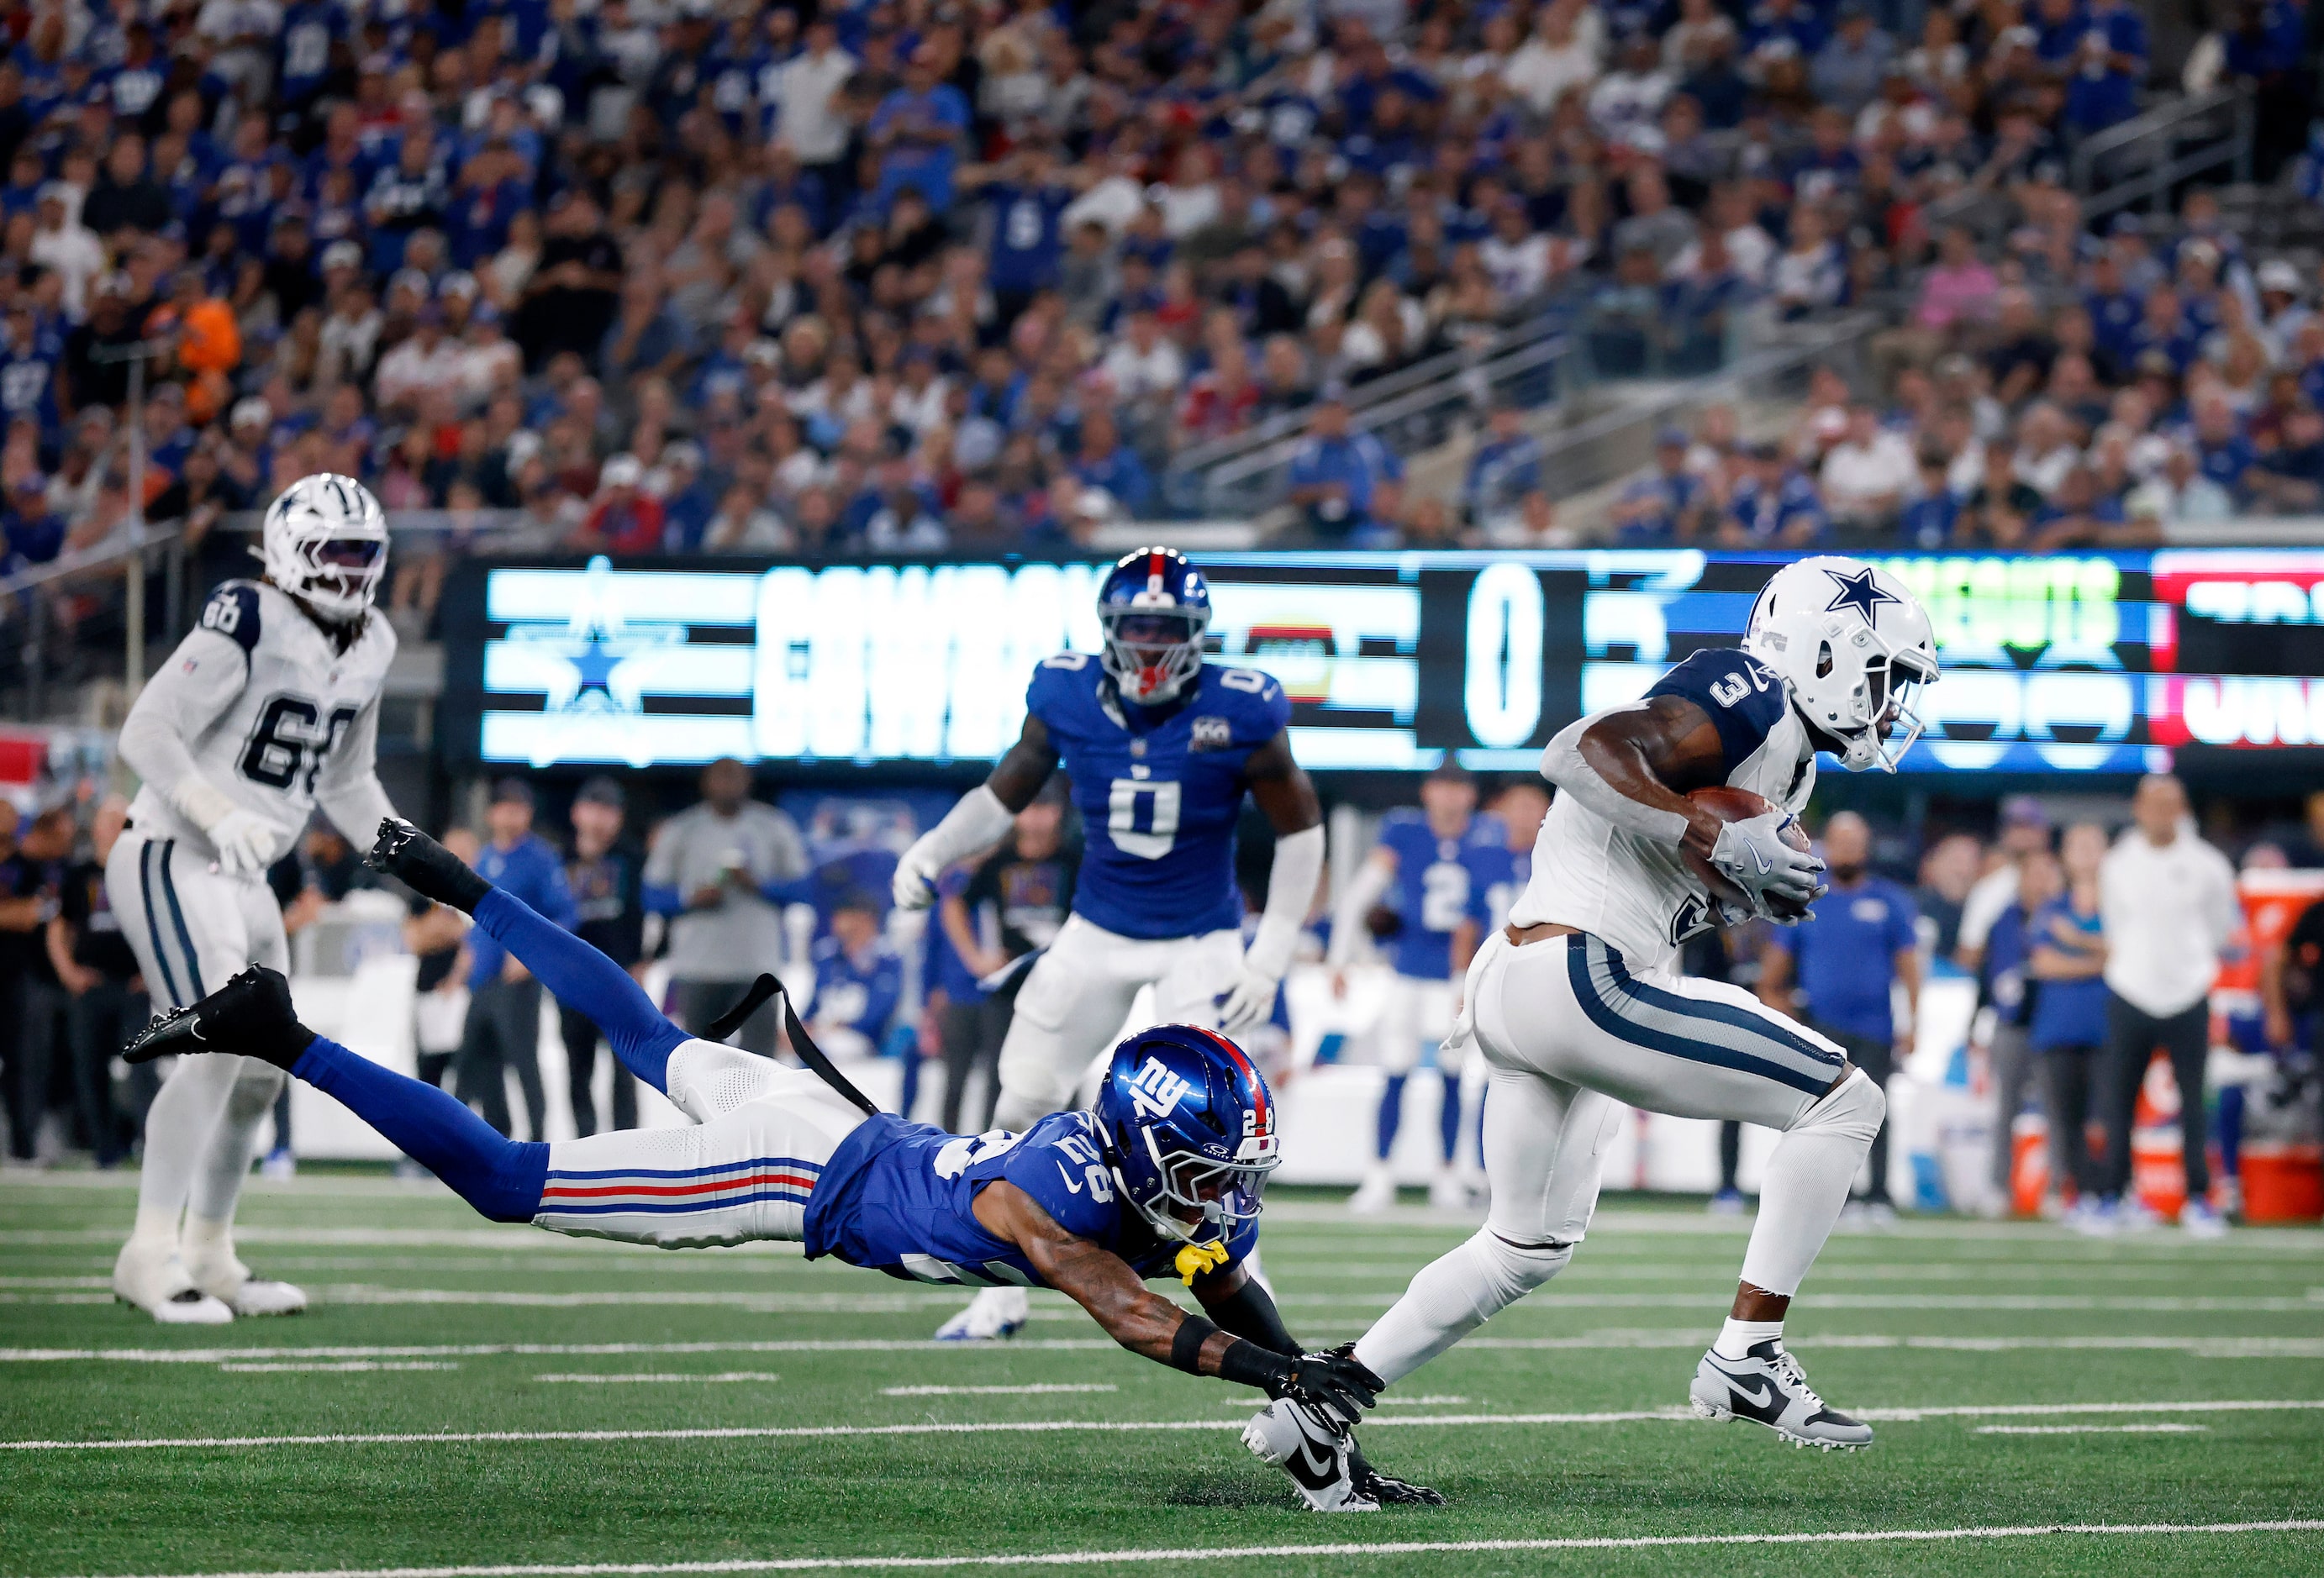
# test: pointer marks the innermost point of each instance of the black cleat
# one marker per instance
(425, 866)
(250, 1016)
(1387, 1488)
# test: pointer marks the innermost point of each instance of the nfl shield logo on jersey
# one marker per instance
(1157, 1091)
(1210, 734)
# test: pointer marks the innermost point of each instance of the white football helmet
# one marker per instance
(1852, 645)
(324, 543)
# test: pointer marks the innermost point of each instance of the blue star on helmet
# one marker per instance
(1860, 593)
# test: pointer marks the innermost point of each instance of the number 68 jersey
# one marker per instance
(259, 701)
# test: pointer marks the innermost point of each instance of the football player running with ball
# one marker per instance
(1161, 747)
(268, 707)
(1161, 1174)
(1577, 1006)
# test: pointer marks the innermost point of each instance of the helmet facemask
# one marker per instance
(324, 543)
(1198, 1198)
(1880, 702)
(1152, 653)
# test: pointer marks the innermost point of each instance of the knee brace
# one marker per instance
(1851, 1112)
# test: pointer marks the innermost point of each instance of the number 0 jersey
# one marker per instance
(1439, 884)
(1158, 791)
(261, 703)
(1635, 893)
(897, 1196)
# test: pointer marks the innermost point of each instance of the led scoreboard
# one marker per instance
(2069, 662)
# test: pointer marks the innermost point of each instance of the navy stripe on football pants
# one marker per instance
(1698, 1030)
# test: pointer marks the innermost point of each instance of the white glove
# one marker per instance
(1251, 1001)
(1753, 856)
(245, 842)
(914, 884)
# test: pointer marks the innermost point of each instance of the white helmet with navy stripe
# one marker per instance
(324, 543)
(1852, 645)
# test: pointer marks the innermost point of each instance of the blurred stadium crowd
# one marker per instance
(908, 276)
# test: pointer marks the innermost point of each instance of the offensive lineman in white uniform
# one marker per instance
(269, 707)
(1577, 1006)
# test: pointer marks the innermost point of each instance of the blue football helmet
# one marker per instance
(1155, 607)
(1189, 1129)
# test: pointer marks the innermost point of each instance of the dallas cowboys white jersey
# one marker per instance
(261, 703)
(1634, 891)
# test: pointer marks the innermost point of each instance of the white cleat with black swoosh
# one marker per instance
(1767, 1386)
(1317, 1455)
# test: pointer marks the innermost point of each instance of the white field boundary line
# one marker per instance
(1114, 1427)
(336, 1366)
(1034, 1390)
(711, 1377)
(2204, 1347)
(1349, 1548)
(1058, 1308)
(2161, 1429)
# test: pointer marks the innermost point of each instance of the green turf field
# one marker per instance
(555, 1403)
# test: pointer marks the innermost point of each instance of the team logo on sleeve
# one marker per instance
(1157, 1092)
(1210, 734)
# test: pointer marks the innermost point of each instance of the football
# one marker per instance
(1728, 803)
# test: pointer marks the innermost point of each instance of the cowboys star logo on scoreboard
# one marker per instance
(1155, 1092)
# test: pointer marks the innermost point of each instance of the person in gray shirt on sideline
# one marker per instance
(721, 871)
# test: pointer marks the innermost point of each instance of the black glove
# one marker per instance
(1387, 1488)
(1335, 1384)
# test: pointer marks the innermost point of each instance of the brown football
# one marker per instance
(1728, 803)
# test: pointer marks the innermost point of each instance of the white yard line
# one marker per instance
(1312, 1550)
(677, 1375)
(1118, 1426)
(1677, 1337)
(339, 1367)
(2163, 1430)
(1032, 1390)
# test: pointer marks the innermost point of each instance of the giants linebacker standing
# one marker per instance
(1577, 1004)
(1431, 866)
(1160, 747)
(267, 708)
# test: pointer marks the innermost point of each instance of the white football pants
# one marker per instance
(192, 929)
(744, 1169)
(1079, 993)
(1569, 1032)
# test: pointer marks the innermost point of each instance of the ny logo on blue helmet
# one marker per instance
(1155, 607)
(1190, 1131)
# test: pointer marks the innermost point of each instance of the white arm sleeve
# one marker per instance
(1563, 765)
(350, 793)
(1365, 889)
(1290, 890)
(192, 691)
(977, 821)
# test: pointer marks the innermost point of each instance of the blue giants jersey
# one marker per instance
(1439, 884)
(896, 1197)
(1158, 792)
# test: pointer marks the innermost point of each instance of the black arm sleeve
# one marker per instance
(1250, 1312)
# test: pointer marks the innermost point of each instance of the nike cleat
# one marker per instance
(250, 1015)
(151, 1276)
(994, 1314)
(425, 866)
(1767, 1386)
(225, 1278)
(1318, 1456)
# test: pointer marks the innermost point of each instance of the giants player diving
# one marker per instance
(1161, 1173)
(1161, 747)
(268, 707)
(1577, 1006)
